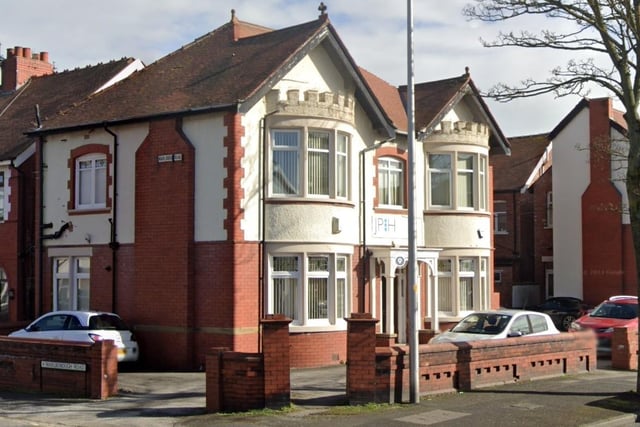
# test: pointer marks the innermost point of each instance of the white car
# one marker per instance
(84, 326)
(498, 324)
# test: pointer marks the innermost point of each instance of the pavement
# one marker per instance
(601, 398)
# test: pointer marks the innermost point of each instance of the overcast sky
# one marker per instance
(77, 33)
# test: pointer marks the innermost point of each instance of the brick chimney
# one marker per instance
(21, 65)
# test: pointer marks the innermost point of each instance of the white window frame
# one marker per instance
(479, 181)
(390, 169)
(335, 276)
(450, 294)
(500, 217)
(338, 156)
(75, 280)
(98, 189)
(4, 294)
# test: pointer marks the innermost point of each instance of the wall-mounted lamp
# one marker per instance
(480, 235)
(335, 225)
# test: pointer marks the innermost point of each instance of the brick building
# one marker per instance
(256, 172)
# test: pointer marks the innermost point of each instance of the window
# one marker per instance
(3, 191)
(321, 157)
(440, 178)
(315, 294)
(465, 288)
(4, 294)
(500, 217)
(462, 184)
(390, 182)
(71, 283)
(466, 278)
(549, 219)
(445, 291)
(91, 181)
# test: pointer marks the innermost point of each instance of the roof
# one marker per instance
(511, 173)
(433, 100)
(51, 93)
(228, 68)
(616, 117)
(389, 98)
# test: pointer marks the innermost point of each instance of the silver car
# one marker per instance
(496, 324)
(84, 326)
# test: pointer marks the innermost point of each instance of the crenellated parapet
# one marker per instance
(460, 132)
(313, 103)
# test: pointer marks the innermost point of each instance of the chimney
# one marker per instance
(21, 65)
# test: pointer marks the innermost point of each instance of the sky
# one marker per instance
(78, 33)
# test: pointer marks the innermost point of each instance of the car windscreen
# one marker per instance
(107, 321)
(482, 323)
(616, 311)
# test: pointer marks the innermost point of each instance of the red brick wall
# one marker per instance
(601, 214)
(624, 349)
(315, 349)
(459, 366)
(164, 198)
(9, 232)
(543, 241)
(21, 369)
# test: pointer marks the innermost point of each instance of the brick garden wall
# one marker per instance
(624, 349)
(381, 374)
(94, 374)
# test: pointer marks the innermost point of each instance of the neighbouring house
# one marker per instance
(30, 92)
(593, 254)
(257, 171)
(523, 222)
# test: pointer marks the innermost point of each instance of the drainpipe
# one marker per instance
(39, 257)
(363, 212)
(113, 243)
(262, 253)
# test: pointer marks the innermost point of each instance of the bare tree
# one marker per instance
(599, 32)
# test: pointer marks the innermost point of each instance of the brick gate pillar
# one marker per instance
(361, 358)
(277, 369)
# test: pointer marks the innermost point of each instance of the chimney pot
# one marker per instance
(19, 51)
(27, 52)
(44, 57)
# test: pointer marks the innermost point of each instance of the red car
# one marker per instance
(617, 312)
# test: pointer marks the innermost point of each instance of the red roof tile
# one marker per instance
(511, 172)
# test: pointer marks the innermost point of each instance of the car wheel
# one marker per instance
(567, 321)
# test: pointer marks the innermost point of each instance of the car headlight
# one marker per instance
(575, 326)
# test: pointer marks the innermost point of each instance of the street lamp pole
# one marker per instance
(412, 282)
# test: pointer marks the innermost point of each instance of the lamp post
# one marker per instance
(412, 282)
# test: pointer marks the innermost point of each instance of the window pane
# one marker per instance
(85, 189)
(465, 180)
(83, 265)
(340, 298)
(445, 294)
(285, 263)
(83, 294)
(466, 293)
(285, 162)
(440, 177)
(64, 294)
(317, 298)
(284, 297)
(483, 183)
(342, 162)
(318, 157)
(101, 186)
(318, 263)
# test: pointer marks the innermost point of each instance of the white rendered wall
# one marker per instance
(95, 228)
(570, 180)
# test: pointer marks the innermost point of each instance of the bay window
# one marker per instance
(463, 288)
(319, 158)
(457, 184)
(311, 289)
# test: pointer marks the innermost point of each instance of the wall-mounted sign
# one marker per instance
(65, 366)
